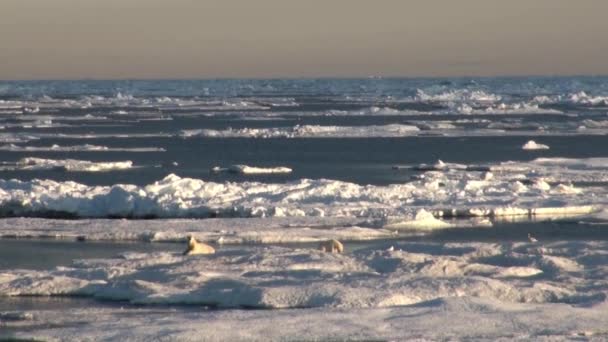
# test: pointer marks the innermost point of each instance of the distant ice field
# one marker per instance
(349, 130)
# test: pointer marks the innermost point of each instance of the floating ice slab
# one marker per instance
(307, 131)
(85, 147)
(67, 165)
(532, 145)
(507, 108)
(252, 170)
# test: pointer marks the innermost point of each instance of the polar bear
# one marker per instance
(331, 246)
(195, 247)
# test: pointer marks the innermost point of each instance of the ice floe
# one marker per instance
(278, 277)
(414, 129)
(584, 98)
(505, 191)
(230, 231)
(506, 108)
(70, 165)
(306, 131)
(595, 124)
(74, 148)
(371, 111)
(252, 170)
(532, 145)
(460, 95)
(453, 318)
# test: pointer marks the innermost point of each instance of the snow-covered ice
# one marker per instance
(450, 290)
(66, 165)
(241, 231)
(468, 194)
(252, 170)
(75, 148)
(455, 318)
(279, 277)
(307, 131)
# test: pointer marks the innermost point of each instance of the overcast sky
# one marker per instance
(60, 39)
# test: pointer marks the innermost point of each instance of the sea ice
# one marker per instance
(532, 145)
(279, 277)
(66, 165)
(85, 147)
(454, 192)
(307, 131)
(252, 170)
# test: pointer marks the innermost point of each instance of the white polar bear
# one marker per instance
(195, 247)
(331, 246)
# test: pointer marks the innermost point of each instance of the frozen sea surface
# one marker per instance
(469, 208)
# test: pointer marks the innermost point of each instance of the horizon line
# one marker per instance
(77, 79)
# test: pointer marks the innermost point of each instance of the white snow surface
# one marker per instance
(454, 290)
(281, 277)
(453, 318)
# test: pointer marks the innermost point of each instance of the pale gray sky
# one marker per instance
(58, 39)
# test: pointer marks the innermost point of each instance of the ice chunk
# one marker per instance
(532, 145)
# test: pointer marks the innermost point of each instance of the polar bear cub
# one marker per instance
(331, 246)
(195, 247)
